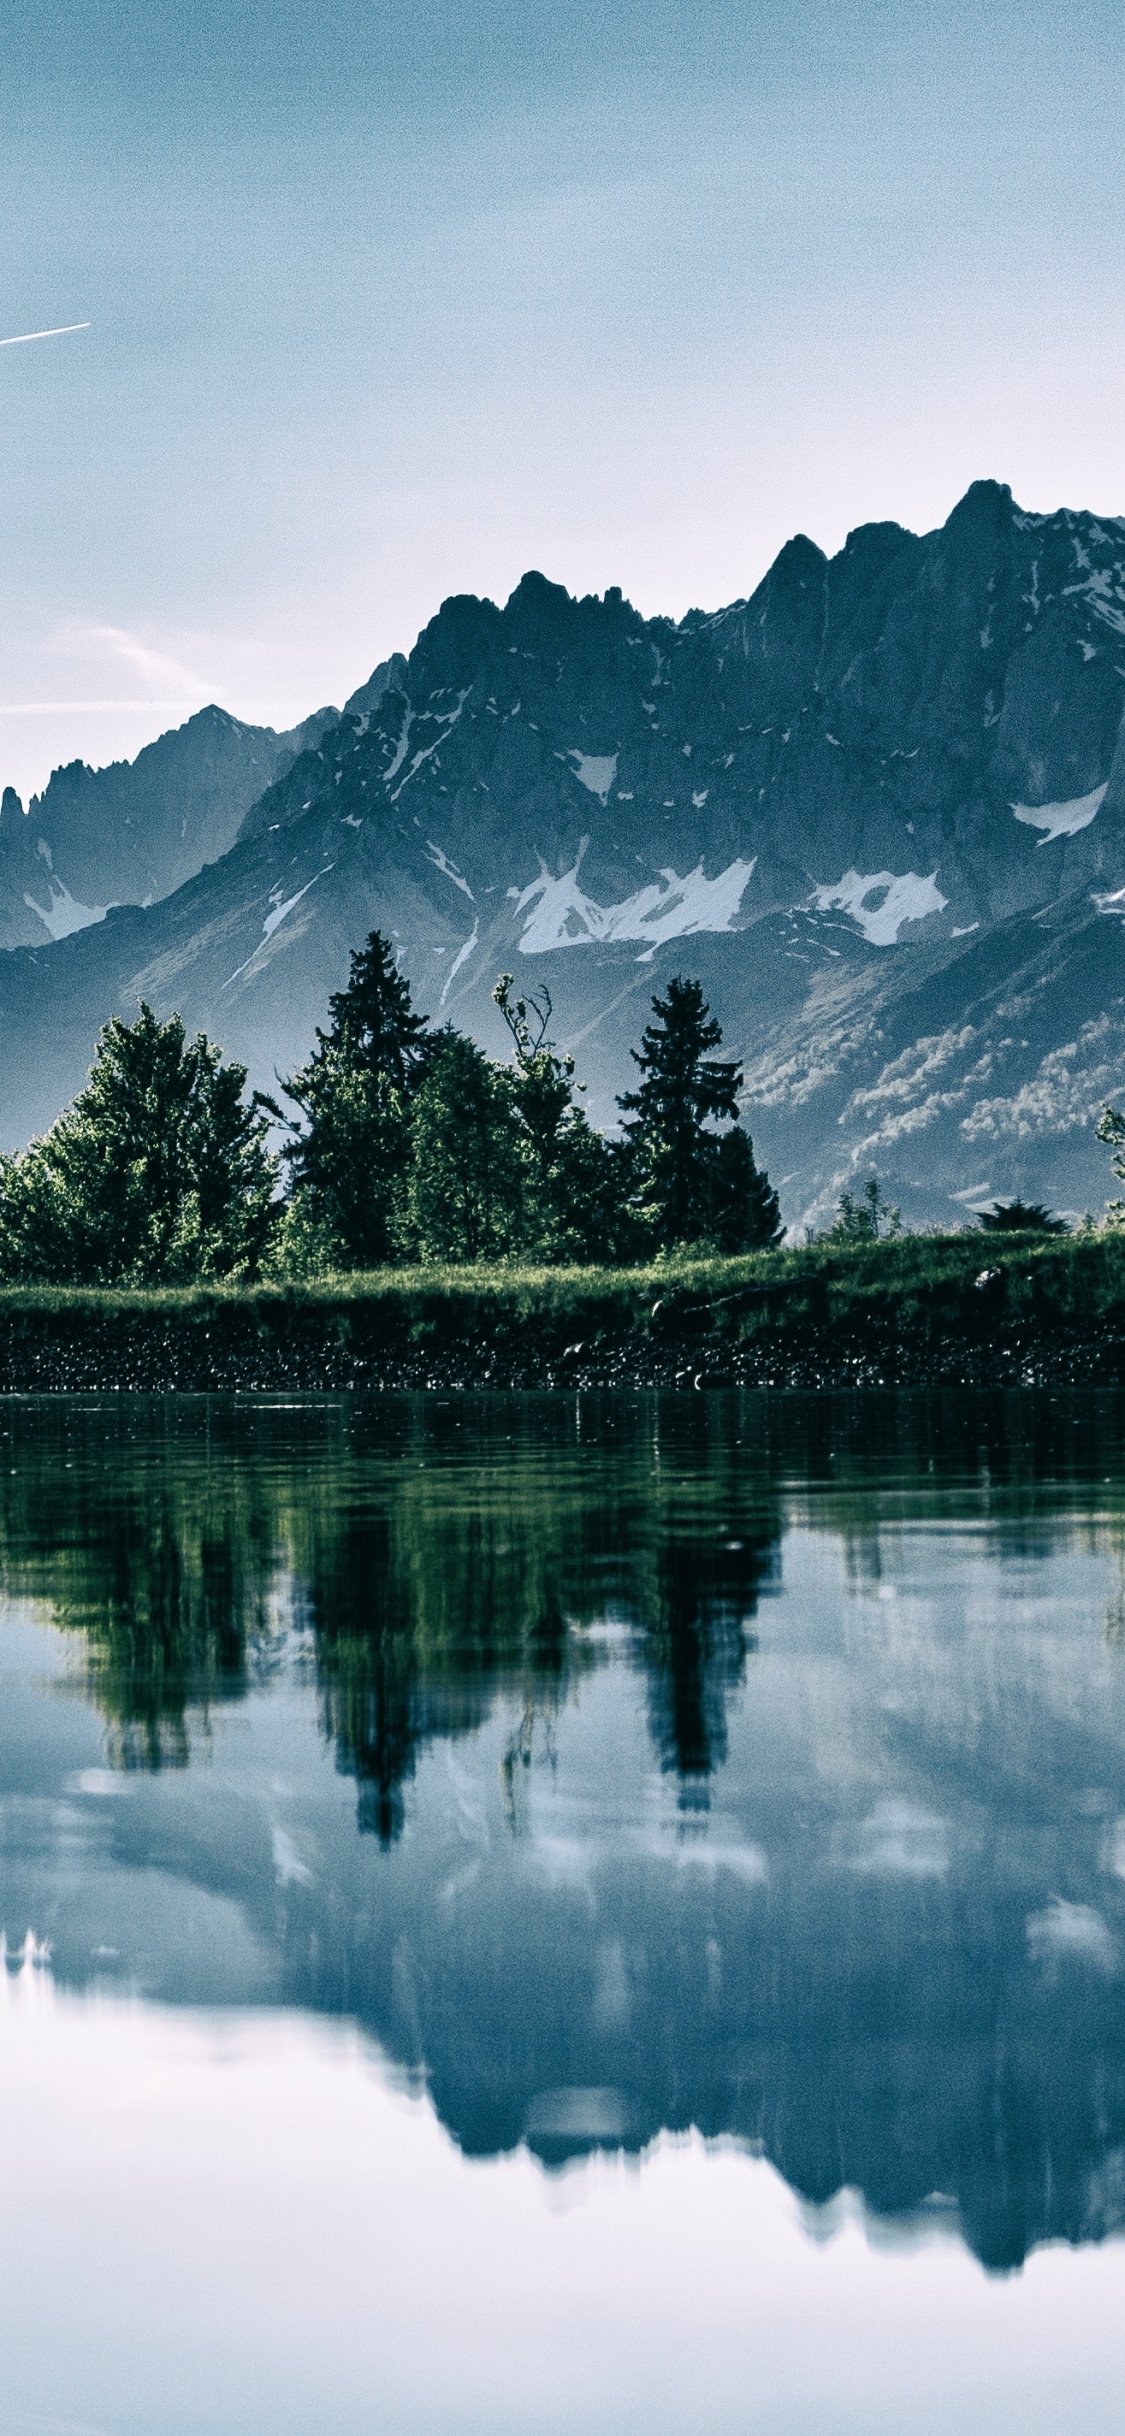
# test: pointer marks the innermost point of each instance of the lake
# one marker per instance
(553, 1912)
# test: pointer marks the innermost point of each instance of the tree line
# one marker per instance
(401, 1142)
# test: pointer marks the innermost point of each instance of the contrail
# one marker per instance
(26, 336)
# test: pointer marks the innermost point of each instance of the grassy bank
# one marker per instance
(923, 1309)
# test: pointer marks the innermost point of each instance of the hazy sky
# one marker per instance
(392, 299)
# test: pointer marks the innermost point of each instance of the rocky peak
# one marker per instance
(876, 806)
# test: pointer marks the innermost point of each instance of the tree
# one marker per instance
(465, 1190)
(865, 1220)
(690, 1184)
(349, 1167)
(575, 1182)
(1022, 1218)
(745, 1215)
(159, 1171)
(1111, 1129)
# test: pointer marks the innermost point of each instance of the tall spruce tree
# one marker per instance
(694, 1184)
(745, 1215)
(349, 1165)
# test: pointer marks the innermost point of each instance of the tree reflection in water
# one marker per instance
(440, 1552)
(437, 1555)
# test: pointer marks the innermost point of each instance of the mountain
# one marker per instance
(136, 831)
(879, 807)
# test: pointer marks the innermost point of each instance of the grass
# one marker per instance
(912, 1307)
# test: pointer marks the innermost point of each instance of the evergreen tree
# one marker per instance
(690, 1184)
(349, 1165)
(744, 1213)
(1022, 1218)
(465, 1192)
(373, 1020)
(159, 1170)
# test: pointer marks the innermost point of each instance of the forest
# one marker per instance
(396, 1143)
(418, 1207)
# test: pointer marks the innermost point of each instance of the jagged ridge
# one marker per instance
(878, 806)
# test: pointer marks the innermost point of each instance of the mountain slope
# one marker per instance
(879, 807)
(135, 831)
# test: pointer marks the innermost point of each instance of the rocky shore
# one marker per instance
(940, 1311)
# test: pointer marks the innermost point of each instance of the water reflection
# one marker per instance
(752, 1764)
(436, 1553)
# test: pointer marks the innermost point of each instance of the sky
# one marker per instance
(391, 299)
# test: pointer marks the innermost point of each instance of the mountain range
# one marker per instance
(879, 807)
(134, 832)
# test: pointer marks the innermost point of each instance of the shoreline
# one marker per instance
(918, 1311)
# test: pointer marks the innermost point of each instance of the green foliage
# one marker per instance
(1111, 1129)
(865, 1220)
(1021, 1218)
(464, 1196)
(743, 1210)
(680, 1092)
(914, 1309)
(543, 1085)
(408, 1145)
(575, 1183)
(692, 1185)
(158, 1170)
(349, 1166)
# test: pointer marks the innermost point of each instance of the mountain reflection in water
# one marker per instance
(748, 1763)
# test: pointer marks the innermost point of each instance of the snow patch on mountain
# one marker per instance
(881, 901)
(668, 908)
(279, 907)
(445, 721)
(594, 771)
(1062, 820)
(462, 957)
(1105, 592)
(441, 859)
(401, 748)
(274, 920)
(64, 914)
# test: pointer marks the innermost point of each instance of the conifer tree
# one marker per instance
(349, 1165)
(745, 1215)
(1022, 1218)
(695, 1185)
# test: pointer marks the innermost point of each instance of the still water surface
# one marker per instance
(558, 1913)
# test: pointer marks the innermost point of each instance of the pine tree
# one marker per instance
(1022, 1218)
(349, 1165)
(690, 1182)
(373, 1021)
(744, 1213)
